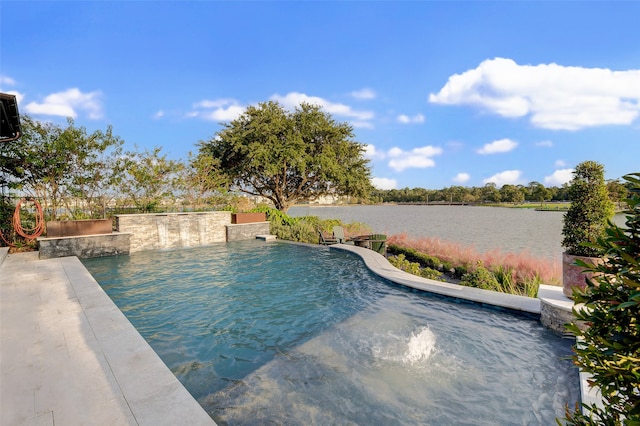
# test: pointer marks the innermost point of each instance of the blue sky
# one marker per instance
(442, 93)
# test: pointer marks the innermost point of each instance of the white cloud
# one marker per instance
(411, 162)
(226, 114)
(502, 145)
(68, 103)
(560, 163)
(400, 159)
(553, 96)
(294, 99)
(365, 93)
(6, 80)
(372, 153)
(511, 177)
(544, 144)
(218, 103)
(217, 110)
(559, 177)
(362, 124)
(51, 109)
(405, 119)
(418, 158)
(384, 183)
(158, 114)
(455, 145)
(462, 177)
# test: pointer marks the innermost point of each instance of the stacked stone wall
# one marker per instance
(170, 230)
(247, 231)
(85, 246)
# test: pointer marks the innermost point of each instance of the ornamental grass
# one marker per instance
(517, 273)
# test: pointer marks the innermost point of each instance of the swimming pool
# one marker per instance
(288, 334)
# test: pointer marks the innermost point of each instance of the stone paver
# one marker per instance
(68, 356)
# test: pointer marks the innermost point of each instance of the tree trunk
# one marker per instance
(283, 206)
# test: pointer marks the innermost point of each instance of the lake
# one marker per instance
(510, 230)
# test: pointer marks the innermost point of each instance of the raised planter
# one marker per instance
(71, 228)
(238, 218)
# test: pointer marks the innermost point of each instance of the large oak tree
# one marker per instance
(288, 157)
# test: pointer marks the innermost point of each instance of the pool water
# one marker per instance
(281, 333)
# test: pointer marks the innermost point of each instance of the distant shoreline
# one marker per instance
(561, 206)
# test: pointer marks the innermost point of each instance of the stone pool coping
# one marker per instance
(70, 356)
(381, 266)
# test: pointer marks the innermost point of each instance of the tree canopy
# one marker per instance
(50, 163)
(150, 178)
(288, 157)
(76, 174)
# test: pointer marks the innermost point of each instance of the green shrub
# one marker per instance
(275, 215)
(431, 274)
(415, 256)
(609, 347)
(299, 230)
(305, 229)
(459, 271)
(402, 263)
(6, 215)
(482, 278)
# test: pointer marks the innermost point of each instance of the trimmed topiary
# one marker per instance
(589, 211)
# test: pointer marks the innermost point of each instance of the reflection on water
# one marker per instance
(287, 334)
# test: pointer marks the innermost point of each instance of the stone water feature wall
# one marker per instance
(247, 231)
(84, 246)
(169, 230)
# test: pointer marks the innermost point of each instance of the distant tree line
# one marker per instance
(490, 193)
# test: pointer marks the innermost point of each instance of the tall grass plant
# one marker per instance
(515, 273)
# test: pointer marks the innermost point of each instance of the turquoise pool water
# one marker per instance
(280, 333)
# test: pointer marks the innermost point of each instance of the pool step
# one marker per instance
(265, 237)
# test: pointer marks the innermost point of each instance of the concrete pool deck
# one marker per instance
(68, 356)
